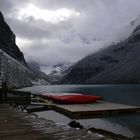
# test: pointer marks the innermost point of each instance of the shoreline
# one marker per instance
(89, 133)
(104, 134)
(111, 135)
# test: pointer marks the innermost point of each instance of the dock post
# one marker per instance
(4, 92)
(1, 95)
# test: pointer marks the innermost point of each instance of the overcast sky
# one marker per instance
(55, 31)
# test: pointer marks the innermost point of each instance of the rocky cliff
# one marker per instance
(13, 68)
(119, 63)
(7, 41)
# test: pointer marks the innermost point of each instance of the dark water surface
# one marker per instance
(127, 94)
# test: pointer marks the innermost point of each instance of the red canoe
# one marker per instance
(73, 99)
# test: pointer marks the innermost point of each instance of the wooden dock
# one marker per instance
(17, 125)
(96, 110)
(73, 111)
(86, 111)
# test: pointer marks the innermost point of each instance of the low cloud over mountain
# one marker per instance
(52, 32)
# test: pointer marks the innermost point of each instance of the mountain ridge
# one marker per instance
(7, 41)
(118, 63)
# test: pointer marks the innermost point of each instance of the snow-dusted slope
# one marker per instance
(56, 72)
(58, 69)
(118, 63)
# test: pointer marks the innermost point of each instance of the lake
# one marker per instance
(127, 94)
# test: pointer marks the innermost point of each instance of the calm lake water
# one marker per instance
(127, 94)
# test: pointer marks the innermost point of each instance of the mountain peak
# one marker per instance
(118, 63)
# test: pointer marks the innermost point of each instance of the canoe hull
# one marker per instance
(73, 99)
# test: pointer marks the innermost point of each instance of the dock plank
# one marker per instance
(95, 110)
(99, 106)
(16, 125)
(85, 111)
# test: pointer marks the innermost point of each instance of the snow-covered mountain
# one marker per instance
(57, 69)
(118, 63)
(56, 72)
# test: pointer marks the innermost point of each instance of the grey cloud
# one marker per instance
(56, 51)
(35, 29)
(100, 23)
(71, 4)
(8, 6)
